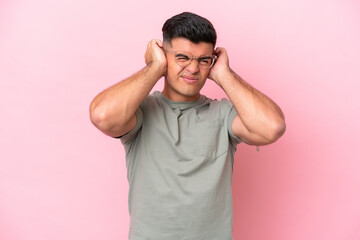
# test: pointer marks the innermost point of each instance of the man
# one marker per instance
(180, 144)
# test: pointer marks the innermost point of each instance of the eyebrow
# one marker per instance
(179, 53)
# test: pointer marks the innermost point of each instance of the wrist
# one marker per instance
(157, 67)
(222, 76)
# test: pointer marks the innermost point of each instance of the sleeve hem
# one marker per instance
(232, 115)
(130, 135)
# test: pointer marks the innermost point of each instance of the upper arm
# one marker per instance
(111, 128)
(251, 138)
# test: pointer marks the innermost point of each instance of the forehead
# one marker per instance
(197, 49)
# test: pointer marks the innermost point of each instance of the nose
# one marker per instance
(193, 66)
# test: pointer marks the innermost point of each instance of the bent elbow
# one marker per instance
(278, 130)
(99, 119)
(110, 123)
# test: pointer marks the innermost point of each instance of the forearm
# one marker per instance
(258, 113)
(112, 109)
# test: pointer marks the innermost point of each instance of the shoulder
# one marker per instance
(151, 99)
(223, 105)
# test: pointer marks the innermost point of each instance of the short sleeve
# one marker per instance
(229, 112)
(128, 137)
(234, 139)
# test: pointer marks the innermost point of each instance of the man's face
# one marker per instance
(183, 84)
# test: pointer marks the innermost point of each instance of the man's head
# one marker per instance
(190, 26)
(189, 42)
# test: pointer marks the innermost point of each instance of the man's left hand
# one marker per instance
(221, 65)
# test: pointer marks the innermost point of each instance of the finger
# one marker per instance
(216, 51)
(219, 50)
(159, 43)
(149, 44)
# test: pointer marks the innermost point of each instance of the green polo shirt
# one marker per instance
(179, 160)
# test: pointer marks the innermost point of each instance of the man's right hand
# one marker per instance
(155, 55)
(113, 111)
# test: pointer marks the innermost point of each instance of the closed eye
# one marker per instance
(182, 57)
(205, 60)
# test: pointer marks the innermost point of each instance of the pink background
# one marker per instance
(60, 178)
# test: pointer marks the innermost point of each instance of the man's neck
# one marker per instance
(180, 98)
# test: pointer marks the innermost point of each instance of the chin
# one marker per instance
(190, 94)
